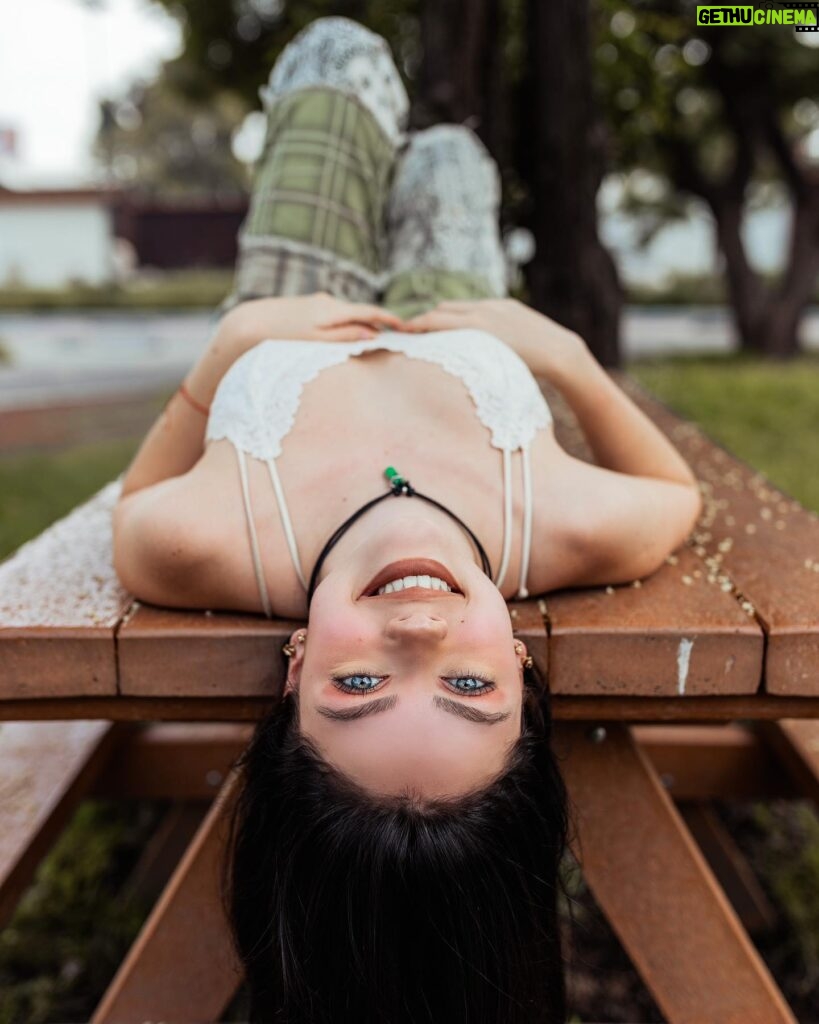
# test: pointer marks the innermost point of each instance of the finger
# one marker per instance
(435, 320)
(364, 313)
(349, 332)
(456, 306)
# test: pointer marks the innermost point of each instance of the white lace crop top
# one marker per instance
(256, 402)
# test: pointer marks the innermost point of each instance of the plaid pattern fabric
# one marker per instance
(317, 215)
(316, 218)
(415, 291)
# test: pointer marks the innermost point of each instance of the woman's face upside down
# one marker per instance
(415, 691)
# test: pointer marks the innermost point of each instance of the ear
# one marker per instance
(521, 651)
(295, 662)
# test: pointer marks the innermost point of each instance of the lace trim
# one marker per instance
(257, 400)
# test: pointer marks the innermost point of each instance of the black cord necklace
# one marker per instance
(398, 486)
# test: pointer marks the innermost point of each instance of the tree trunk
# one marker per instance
(460, 77)
(572, 277)
(767, 319)
(745, 287)
(796, 287)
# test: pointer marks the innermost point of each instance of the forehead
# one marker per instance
(418, 749)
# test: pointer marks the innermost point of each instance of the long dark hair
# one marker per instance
(349, 907)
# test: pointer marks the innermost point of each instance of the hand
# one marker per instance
(547, 348)
(316, 317)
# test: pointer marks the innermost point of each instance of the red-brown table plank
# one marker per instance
(60, 602)
(762, 540)
(656, 889)
(182, 966)
(674, 633)
(45, 770)
(164, 653)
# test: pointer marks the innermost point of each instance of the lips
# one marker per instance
(411, 567)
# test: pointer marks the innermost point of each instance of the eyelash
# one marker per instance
(338, 682)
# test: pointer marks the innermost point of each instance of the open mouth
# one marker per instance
(413, 578)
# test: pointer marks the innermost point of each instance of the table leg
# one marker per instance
(656, 889)
(182, 966)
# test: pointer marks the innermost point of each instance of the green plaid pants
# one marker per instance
(316, 216)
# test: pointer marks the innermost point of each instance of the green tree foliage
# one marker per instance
(720, 115)
(165, 142)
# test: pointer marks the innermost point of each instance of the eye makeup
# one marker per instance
(341, 682)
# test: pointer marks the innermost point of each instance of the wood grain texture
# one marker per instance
(46, 768)
(759, 539)
(60, 602)
(677, 632)
(166, 653)
(182, 966)
(670, 914)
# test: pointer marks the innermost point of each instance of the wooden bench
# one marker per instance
(648, 679)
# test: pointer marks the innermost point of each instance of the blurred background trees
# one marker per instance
(563, 94)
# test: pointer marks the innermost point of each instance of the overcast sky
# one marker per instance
(57, 58)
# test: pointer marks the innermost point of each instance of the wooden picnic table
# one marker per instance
(725, 636)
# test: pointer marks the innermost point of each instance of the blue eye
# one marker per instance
(358, 683)
(469, 685)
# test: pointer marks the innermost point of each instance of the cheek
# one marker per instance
(334, 625)
(487, 620)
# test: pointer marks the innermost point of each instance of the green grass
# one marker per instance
(168, 290)
(765, 413)
(37, 489)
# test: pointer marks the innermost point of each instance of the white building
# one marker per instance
(56, 237)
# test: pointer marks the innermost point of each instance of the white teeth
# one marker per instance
(428, 582)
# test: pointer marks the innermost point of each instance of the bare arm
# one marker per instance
(176, 441)
(163, 542)
(641, 500)
(619, 433)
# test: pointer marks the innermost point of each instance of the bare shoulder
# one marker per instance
(179, 542)
(600, 526)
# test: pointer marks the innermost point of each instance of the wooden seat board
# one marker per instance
(182, 966)
(762, 539)
(60, 602)
(45, 770)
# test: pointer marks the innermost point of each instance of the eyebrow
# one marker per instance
(375, 707)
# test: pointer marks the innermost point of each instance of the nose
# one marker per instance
(416, 626)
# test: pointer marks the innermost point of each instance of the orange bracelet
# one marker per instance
(183, 391)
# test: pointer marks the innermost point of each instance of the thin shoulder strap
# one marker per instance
(285, 517)
(254, 540)
(526, 544)
(507, 517)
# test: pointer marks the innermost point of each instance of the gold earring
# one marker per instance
(528, 661)
(289, 649)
